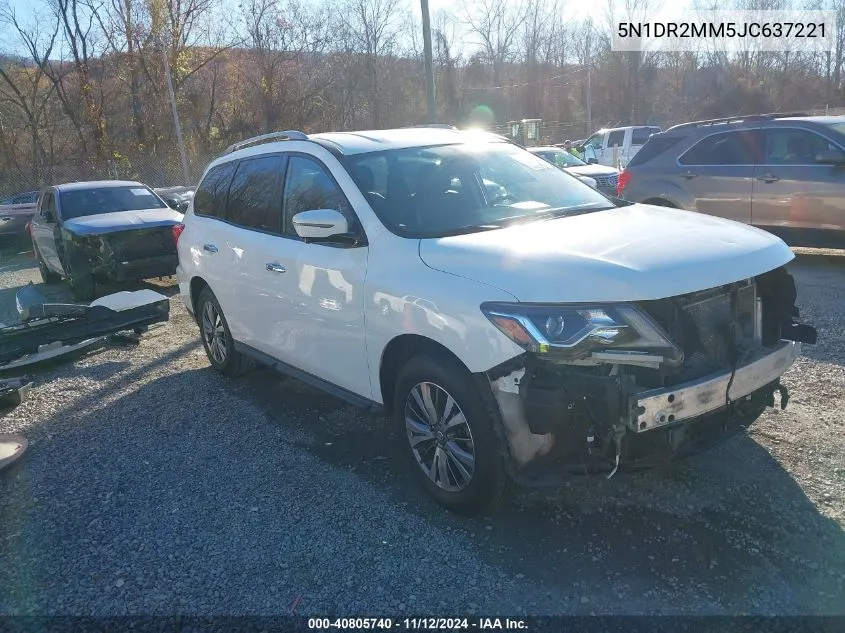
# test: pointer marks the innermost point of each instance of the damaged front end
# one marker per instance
(639, 384)
(125, 255)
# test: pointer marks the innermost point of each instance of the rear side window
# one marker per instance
(640, 135)
(616, 137)
(727, 148)
(210, 199)
(254, 201)
(655, 146)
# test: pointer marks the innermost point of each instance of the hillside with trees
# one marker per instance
(83, 90)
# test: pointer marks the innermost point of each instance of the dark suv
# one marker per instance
(784, 173)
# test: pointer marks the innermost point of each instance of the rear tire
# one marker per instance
(448, 434)
(217, 339)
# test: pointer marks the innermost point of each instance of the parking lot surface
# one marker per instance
(152, 485)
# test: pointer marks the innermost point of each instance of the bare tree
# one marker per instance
(496, 24)
(373, 26)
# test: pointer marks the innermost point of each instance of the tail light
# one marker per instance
(624, 177)
(176, 231)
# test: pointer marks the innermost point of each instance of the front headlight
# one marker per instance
(575, 331)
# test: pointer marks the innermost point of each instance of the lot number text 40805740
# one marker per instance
(417, 624)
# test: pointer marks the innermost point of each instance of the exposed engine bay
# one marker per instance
(123, 255)
(601, 410)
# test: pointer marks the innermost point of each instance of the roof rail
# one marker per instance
(286, 135)
(737, 118)
(443, 126)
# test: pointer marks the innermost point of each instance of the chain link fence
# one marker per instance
(152, 169)
(163, 170)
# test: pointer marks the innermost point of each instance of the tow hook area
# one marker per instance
(525, 445)
(784, 396)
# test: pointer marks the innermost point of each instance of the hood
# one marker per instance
(591, 170)
(122, 221)
(633, 253)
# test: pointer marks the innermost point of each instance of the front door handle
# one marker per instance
(689, 175)
(768, 178)
(211, 248)
(276, 268)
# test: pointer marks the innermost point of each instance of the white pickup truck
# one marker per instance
(599, 148)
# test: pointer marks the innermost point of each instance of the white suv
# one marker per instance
(513, 322)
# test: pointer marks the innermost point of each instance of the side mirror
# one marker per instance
(320, 224)
(830, 157)
(593, 161)
(173, 203)
(49, 216)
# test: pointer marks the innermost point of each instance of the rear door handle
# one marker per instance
(211, 248)
(768, 178)
(276, 268)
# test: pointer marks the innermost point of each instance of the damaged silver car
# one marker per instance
(106, 230)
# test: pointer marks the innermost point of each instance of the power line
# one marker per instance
(529, 83)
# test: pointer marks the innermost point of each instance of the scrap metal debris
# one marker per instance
(49, 330)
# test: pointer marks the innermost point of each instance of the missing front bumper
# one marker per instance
(660, 407)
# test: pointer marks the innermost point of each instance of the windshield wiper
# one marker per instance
(461, 230)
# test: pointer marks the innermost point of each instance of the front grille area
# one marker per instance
(607, 182)
(143, 243)
(713, 328)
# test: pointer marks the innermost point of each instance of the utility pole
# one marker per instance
(589, 104)
(185, 171)
(429, 63)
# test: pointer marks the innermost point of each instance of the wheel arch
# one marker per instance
(399, 350)
(661, 202)
(196, 286)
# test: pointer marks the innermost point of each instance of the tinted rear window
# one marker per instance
(640, 135)
(210, 198)
(655, 146)
(254, 198)
(83, 202)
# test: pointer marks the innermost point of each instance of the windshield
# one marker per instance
(82, 202)
(453, 189)
(560, 157)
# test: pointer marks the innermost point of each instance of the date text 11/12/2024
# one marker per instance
(417, 624)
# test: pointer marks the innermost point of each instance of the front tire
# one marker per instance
(217, 339)
(448, 434)
(47, 275)
(82, 286)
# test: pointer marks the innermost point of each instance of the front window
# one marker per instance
(453, 189)
(561, 158)
(82, 202)
(596, 141)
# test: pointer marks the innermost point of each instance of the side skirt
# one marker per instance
(310, 379)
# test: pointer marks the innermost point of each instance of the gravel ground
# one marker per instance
(154, 486)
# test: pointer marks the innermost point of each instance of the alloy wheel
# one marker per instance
(440, 436)
(214, 332)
